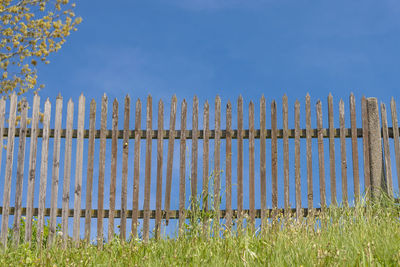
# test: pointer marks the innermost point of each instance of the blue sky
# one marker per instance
(227, 48)
(209, 47)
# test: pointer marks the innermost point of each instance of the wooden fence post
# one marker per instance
(375, 147)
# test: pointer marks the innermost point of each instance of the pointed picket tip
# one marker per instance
(240, 101)
(284, 96)
(217, 98)
(70, 100)
(341, 100)
(251, 104)
(229, 104)
(195, 98)
(92, 102)
(149, 100)
(206, 105)
(297, 102)
(308, 94)
(160, 102)
(82, 99)
(330, 94)
(115, 102)
(59, 96)
(47, 100)
(262, 97)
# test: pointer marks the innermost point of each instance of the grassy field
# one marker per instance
(367, 235)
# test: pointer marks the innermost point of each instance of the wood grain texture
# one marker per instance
(310, 196)
(297, 158)
(263, 162)
(354, 146)
(285, 152)
(206, 148)
(170, 158)
(113, 176)
(321, 161)
(79, 169)
(43, 168)
(20, 173)
(240, 157)
(217, 156)
(2, 118)
(343, 153)
(136, 170)
(193, 163)
(395, 126)
(102, 162)
(386, 149)
(89, 173)
(8, 170)
(251, 167)
(367, 175)
(124, 182)
(332, 163)
(228, 164)
(32, 168)
(182, 169)
(147, 181)
(159, 169)
(274, 158)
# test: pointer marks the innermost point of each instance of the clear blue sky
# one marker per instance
(228, 47)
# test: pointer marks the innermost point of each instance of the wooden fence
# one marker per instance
(376, 162)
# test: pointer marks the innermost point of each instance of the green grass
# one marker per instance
(367, 235)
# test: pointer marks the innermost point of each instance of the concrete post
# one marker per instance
(375, 147)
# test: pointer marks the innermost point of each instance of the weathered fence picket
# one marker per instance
(285, 152)
(90, 166)
(310, 195)
(343, 156)
(170, 157)
(228, 167)
(263, 162)
(20, 172)
(102, 162)
(32, 168)
(395, 127)
(43, 168)
(321, 161)
(8, 171)
(113, 177)
(136, 166)
(332, 164)
(354, 147)
(159, 166)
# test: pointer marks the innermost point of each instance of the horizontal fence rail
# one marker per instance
(96, 173)
(189, 133)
